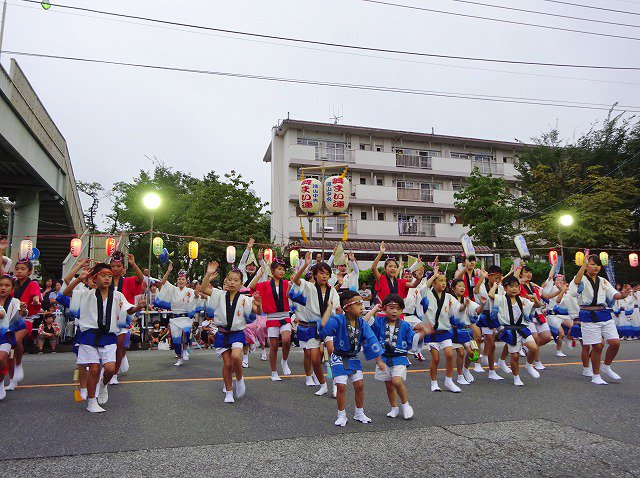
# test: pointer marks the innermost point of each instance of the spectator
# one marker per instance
(207, 333)
(48, 332)
(136, 337)
(154, 336)
(153, 292)
(365, 293)
(46, 290)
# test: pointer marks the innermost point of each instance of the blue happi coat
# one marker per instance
(406, 341)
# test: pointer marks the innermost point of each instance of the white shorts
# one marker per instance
(344, 379)
(540, 328)
(412, 320)
(594, 332)
(88, 354)
(390, 372)
(235, 345)
(310, 344)
(487, 331)
(328, 339)
(514, 349)
(123, 331)
(5, 348)
(440, 345)
(274, 332)
(458, 346)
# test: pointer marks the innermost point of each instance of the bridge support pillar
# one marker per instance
(25, 220)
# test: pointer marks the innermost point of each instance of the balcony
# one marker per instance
(413, 161)
(334, 226)
(416, 228)
(373, 193)
(415, 194)
(489, 168)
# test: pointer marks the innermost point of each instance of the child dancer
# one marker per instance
(316, 298)
(12, 317)
(561, 311)
(181, 301)
(231, 312)
(514, 313)
(275, 304)
(397, 338)
(388, 283)
(342, 280)
(101, 314)
(351, 335)
(594, 293)
(465, 316)
(538, 326)
(436, 307)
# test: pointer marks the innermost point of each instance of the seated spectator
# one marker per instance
(154, 336)
(136, 337)
(208, 332)
(365, 293)
(48, 332)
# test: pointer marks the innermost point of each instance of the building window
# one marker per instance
(457, 185)
(379, 148)
(485, 163)
(363, 215)
(380, 216)
(459, 155)
(328, 150)
(379, 182)
(363, 180)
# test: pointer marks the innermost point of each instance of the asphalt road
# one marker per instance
(162, 417)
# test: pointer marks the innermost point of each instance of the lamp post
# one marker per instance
(565, 220)
(151, 201)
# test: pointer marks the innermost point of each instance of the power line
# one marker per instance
(386, 89)
(591, 7)
(405, 60)
(498, 20)
(548, 14)
(340, 45)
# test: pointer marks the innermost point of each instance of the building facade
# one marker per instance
(402, 183)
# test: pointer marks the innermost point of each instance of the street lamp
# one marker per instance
(151, 201)
(565, 220)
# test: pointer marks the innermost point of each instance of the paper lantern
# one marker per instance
(76, 246)
(467, 247)
(604, 258)
(553, 256)
(633, 259)
(579, 258)
(110, 246)
(163, 257)
(231, 254)
(310, 195)
(157, 245)
(268, 255)
(25, 249)
(35, 254)
(193, 250)
(337, 191)
(521, 245)
(293, 257)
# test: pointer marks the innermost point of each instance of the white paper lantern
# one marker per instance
(310, 195)
(337, 191)
(231, 254)
(26, 246)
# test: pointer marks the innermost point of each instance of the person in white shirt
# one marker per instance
(365, 293)
(594, 295)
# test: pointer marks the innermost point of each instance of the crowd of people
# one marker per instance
(481, 317)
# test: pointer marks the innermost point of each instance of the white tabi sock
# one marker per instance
(394, 412)
(275, 377)
(517, 381)
(2, 392)
(93, 407)
(228, 397)
(407, 411)
(342, 418)
(435, 387)
(240, 388)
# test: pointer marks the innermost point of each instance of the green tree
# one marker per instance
(92, 190)
(487, 208)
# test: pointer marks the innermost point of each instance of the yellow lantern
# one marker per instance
(158, 245)
(110, 246)
(633, 259)
(268, 255)
(76, 246)
(293, 257)
(604, 258)
(337, 191)
(193, 250)
(310, 195)
(231, 254)
(579, 258)
(26, 246)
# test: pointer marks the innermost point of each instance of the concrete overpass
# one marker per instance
(36, 173)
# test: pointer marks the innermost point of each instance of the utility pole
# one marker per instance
(4, 20)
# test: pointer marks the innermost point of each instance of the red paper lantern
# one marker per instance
(110, 246)
(633, 259)
(553, 256)
(268, 255)
(76, 246)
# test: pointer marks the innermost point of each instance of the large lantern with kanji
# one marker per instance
(337, 191)
(579, 258)
(193, 250)
(310, 195)
(604, 258)
(76, 246)
(110, 246)
(553, 256)
(26, 247)
(633, 259)
(158, 245)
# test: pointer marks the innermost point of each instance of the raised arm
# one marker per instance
(212, 271)
(245, 255)
(374, 266)
(370, 316)
(256, 279)
(416, 280)
(577, 280)
(136, 269)
(68, 291)
(354, 263)
(256, 304)
(166, 274)
(492, 292)
(300, 272)
(483, 277)
(78, 266)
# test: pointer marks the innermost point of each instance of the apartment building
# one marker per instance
(402, 183)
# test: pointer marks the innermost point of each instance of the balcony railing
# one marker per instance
(415, 228)
(488, 168)
(413, 161)
(333, 225)
(415, 194)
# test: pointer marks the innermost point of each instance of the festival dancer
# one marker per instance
(101, 314)
(437, 308)
(231, 311)
(12, 318)
(316, 298)
(341, 279)
(561, 310)
(352, 334)
(130, 288)
(275, 304)
(594, 294)
(252, 268)
(397, 338)
(181, 300)
(388, 283)
(515, 313)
